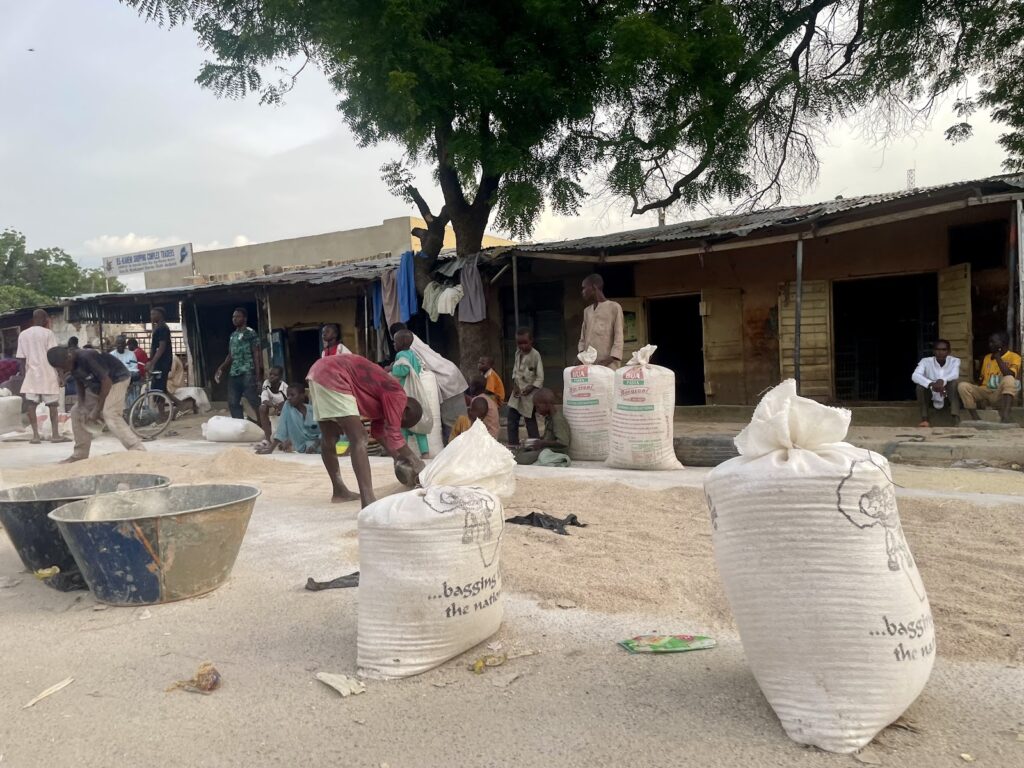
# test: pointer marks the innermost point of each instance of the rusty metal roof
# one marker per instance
(743, 224)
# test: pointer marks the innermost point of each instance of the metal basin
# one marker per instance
(157, 545)
(24, 510)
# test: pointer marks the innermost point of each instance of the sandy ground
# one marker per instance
(643, 564)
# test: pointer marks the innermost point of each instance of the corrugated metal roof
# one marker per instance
(355, 271)
(740, 225)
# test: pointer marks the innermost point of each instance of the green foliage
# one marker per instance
(30, 278)
(663, 101)
(16, 297)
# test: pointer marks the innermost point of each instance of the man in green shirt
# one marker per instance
(552, 447)
(244, 365)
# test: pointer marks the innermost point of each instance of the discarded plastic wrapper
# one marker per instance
(667, 643)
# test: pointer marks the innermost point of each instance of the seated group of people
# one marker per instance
(938, 381)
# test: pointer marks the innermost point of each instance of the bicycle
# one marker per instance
(151, 413)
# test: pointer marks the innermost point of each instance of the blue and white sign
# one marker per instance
(146, 261)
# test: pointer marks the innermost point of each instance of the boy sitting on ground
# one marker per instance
(272, 398)
(551, 449)
(297, 430)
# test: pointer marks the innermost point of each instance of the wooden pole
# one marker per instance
(1020, 275)
(515, 288)
(799, 311)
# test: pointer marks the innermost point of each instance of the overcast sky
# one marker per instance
(108, 146)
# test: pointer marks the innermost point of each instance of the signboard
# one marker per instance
(146, 261)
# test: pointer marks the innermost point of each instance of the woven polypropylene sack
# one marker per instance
(476, 459)
(430, 579)
(10, 413)
(642, 415)
(428, 381)
(587, 404)
(223, 429)
(831, 610)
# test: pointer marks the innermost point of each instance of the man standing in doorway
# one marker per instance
(41, 384)
(602, 323)
(243, 364)
(937, 379)
(1000, 380)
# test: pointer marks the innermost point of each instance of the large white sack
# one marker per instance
(833, 617)
(435, 442)
(429, 561)
(588, 391)
(10, 413)
(642, 416)
(474, 458)
(224, 429)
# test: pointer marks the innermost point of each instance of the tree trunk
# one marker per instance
(481, 339)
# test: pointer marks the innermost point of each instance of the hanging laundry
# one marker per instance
(408, 301)
(377, 307)
(473, 307)
(449, 300)
(430, 296)
(389, 287)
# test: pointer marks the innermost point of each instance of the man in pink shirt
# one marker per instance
(41, 384)
(345, 389)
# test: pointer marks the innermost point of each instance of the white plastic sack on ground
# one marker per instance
(10, 413)
(429, 561)
(224, 429)
(435, 442)
(588, 393)
(474, 458)
(642, 415)
(831, 610)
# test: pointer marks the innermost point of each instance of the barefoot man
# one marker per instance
(344, 388)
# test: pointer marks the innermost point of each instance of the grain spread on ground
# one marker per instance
(648, 552)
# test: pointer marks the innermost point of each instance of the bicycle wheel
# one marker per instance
(150, 415)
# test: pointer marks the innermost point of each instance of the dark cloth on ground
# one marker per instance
(547, 522)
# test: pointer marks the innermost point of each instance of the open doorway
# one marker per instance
(304, 347)
(213, 324)
(674, 326)
(882, 327)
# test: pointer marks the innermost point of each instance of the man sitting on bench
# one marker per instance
(1000, 380)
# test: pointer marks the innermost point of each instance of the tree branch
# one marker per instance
(677, 188)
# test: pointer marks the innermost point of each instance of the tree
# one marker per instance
(31, 278)
(666, 101)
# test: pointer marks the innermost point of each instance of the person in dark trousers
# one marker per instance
(159, 366)
(937, 379)
(102, 382)
(243, 365)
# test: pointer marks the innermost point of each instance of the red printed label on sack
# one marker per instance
(635, 376)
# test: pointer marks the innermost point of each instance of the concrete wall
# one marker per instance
(392, 236)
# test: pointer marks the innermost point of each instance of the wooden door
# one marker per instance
(955, 323)
(721, 311)
(815, 337)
